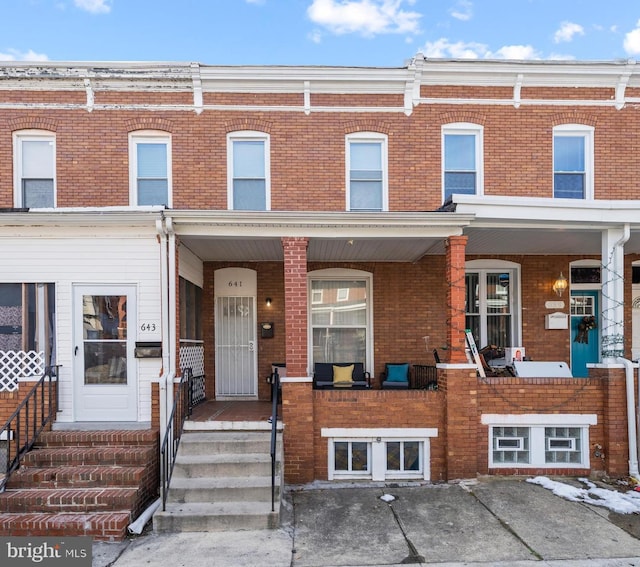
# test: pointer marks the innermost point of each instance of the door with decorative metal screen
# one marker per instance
(236, 359)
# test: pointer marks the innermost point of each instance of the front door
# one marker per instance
(585, 343)
(105, 385)
(235, 347)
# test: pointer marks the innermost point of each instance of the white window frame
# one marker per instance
(469, 129)
(586, 132)
(377, 439)
(342, 274)
(371, 138)
(482, 267)
(536, 423)
(249, 136)
(31, 136)
(147, 137)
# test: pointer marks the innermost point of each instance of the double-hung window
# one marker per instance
(367, 172)
(573, 162)
(492, 295)
(150, 171)
(462, 171)
(248, 171)
(35, 169)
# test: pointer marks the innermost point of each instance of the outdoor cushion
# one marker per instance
(323, 375)
(397, 372)
(343, 376)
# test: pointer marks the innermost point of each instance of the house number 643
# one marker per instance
(148, 327)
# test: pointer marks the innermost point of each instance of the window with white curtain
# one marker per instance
(340, 316)
(367, 172)
(492, 302)
(35, 167)
(573, 162)
(248, 171)
(150, 171)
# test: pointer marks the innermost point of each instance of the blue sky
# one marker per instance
(377, 33)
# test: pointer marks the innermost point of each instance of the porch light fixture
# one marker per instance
(560, 285)
(268, 302)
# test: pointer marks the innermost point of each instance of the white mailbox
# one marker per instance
(556, 320)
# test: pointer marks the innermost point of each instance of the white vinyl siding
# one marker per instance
(35, 169)
(127, 256)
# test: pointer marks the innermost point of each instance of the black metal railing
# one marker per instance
(32, 415)
(182, 406)
(275, 397)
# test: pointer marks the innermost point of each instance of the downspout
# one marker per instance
(171, 308)
(164, 309)
(631, 419)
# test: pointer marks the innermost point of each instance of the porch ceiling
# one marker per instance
(482, 241)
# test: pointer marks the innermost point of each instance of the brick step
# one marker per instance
(213, 517)
(82, 476)
(97, 438)
(102, 526)
(102, 455)
(80, 500)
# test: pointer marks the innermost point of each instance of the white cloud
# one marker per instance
(462, 11)
(15, 55)
(632, 41)
(366, 17)
(443, 48)
(94, 6)
(315, 36)
(567, 31)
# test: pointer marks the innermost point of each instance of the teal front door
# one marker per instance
(585, 335)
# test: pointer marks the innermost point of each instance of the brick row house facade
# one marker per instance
(156, 217)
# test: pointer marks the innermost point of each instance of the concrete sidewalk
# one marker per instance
(495, 522)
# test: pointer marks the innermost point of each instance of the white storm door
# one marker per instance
(236, 359)
(105, 384)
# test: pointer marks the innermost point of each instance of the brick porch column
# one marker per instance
(455, 261)
(616, 436)
(297, 392)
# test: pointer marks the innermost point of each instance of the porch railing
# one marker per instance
(182, 406)
(275, 395)
(33, 414)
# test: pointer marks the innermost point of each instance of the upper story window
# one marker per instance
(248, 168)
(35, 169)
(573, 162)
(150, 171)
(367, 172)
(462, 159)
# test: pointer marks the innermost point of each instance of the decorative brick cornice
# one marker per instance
(248, 124)
(369, 125)
(32, 123)
(149, 123)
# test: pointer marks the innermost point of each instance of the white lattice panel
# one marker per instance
(192, 356)
(16, 364)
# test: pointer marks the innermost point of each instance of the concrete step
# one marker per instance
(101, 526)
(225, 516)
(127, 437)
(102, 455)
(82, 476)
(223, 465)
(78, 500)
(226, 489)
(206, 443)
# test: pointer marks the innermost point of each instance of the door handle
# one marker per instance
(75, 352)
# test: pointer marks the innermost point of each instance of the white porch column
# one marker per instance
(612, 321)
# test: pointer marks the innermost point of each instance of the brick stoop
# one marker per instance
(91, 483)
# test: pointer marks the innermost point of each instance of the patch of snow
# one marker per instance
(620, 502)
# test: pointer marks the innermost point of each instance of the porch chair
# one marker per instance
(334, 375)
(396, 376)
